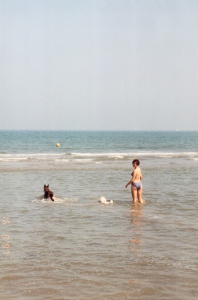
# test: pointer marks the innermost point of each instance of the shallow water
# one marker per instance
(77, 248)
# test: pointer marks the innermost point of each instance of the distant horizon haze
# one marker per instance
(99, 65)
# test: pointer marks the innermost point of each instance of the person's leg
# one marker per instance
(134, 193)
(139, 195)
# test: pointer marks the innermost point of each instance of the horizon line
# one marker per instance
(106, 130)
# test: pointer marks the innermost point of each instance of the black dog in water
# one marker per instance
(48, 193)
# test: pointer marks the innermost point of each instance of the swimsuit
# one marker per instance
(137, 185)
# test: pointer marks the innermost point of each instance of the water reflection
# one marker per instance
(5, 237)
(5, 221)
(136, 221)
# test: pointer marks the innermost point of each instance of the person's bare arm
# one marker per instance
(128, 184)
(132, 179)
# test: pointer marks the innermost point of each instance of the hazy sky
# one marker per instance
(99, 64)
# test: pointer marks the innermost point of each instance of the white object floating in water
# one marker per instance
(105, 201)
(57, 145)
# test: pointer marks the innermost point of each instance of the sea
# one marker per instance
(77, 248)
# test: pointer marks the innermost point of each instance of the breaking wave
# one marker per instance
(80, 157)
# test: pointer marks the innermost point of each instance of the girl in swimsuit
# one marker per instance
(136, 184)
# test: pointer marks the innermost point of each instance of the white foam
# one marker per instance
(40, 199)
(155, 218)
(62, 160)
(134, 154)
(89, 157)
(83, 160)
(30, 156)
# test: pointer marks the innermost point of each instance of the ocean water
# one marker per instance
(77, 248)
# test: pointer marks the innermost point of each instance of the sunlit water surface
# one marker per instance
(77, 248)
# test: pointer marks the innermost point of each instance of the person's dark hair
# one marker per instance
(136, 161)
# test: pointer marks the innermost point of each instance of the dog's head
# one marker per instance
(46, 188)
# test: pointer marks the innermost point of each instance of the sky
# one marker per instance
(99, 64)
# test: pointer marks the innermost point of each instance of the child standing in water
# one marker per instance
(136, 184)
